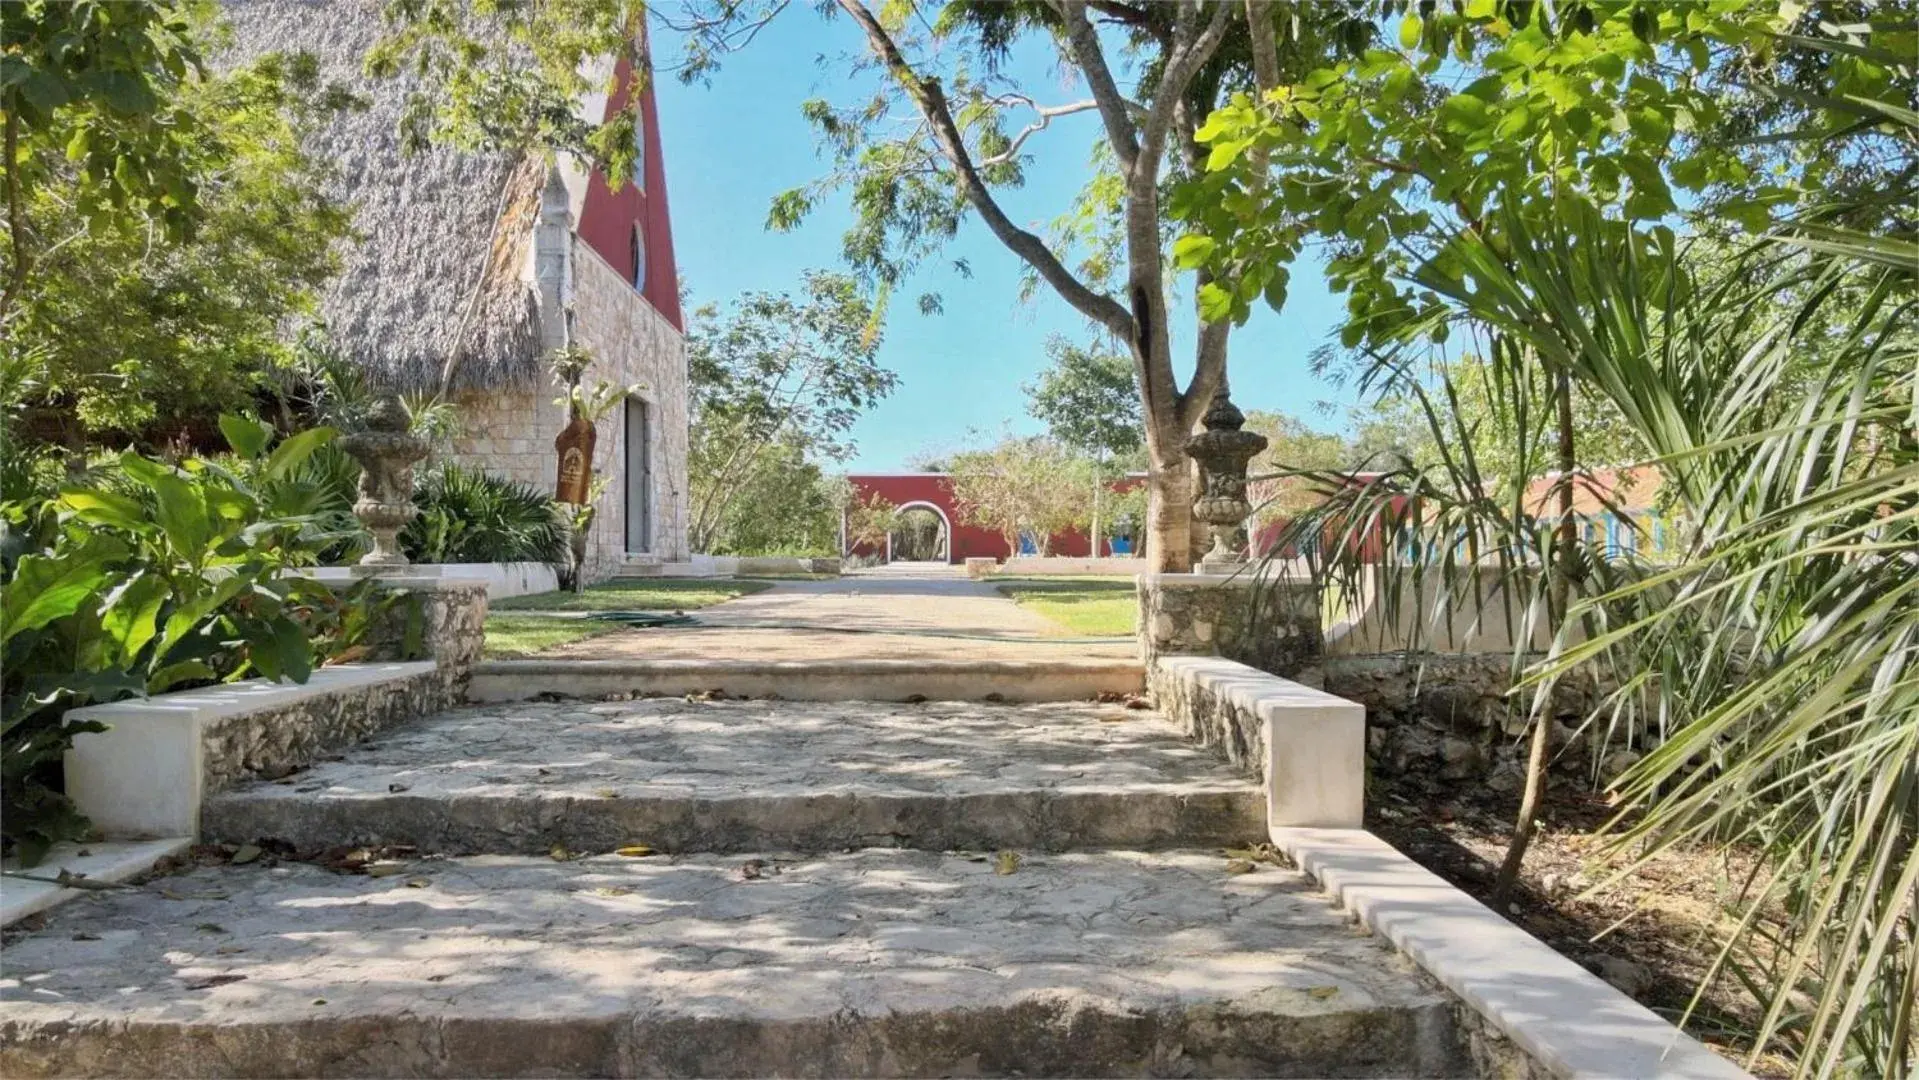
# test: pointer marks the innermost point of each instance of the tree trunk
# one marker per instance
(1169, 515)
(1558, 599)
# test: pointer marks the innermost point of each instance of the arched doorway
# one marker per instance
(920, 533)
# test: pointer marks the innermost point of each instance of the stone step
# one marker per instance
(683, 775)
(1058, 678)
(873, 963)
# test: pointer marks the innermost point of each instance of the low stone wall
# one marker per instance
(1447, 717)
(1307, 745)
(160, 757)
(437, 619)
(1270, 623)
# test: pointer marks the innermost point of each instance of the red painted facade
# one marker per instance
(965, 541)
(608, 221)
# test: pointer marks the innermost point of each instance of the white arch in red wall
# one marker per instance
(945, 523)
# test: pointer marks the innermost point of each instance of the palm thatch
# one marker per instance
(435, 276)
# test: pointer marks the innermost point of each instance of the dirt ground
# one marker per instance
(1650, 936)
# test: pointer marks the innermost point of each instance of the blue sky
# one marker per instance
(730, 147)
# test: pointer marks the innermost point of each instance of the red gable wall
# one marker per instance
(606, 223)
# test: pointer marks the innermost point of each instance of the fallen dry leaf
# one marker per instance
(245, 854)
(559, 853)
(1321, 992)
(1239, 866)
(634, 851)
(209, 981)
(418, 882)
(385, 869)
(607, 793)
(1006, 862)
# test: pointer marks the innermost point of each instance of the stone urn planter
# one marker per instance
(1223, 451)
(386, 453)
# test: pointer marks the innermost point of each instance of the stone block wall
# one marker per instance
(1272, 624)
(1447, 717)
(510, 430)
(447, 618)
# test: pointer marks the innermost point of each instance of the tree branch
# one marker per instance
(1084, 44)
(932, 104)
(1046, 115)
(1182, 63)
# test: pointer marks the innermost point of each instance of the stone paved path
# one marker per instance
(917, 611)
(874, 963)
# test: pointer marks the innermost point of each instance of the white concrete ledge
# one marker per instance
(1308, 745)
(146, 775)
(1569, 1021)
(109, 861)
(810, 680)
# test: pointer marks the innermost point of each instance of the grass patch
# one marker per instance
(510, 633)
(639, 594)
(1093, 607)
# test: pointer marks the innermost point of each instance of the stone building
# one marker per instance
(471, 267)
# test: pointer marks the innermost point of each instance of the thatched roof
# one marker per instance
(443, 234)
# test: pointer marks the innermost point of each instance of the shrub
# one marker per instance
(468, 515)
(153, 577)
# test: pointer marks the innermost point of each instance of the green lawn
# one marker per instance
(1093, 606)
(510, 633)
(639, 594)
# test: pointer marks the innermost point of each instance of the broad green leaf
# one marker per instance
(247, 436)
(44, 589)
(100, 507)
(1215, 302)
(1192, 250)
(132, 611)
(295, 449)
(1410, 29)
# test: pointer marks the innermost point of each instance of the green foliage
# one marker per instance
(471, 516)
(97, 81)
(157, 577)
(784, 505)
(1394, 157)
(1088, 400)
(1033, 486)
(493, 75)
(1561, 194)
(168, 245)
(777, 382)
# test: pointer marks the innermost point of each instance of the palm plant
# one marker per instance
(1779, 656)
(468, 515)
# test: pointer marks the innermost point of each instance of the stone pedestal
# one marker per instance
(1270, 623)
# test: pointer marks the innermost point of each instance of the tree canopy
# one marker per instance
(776, 383)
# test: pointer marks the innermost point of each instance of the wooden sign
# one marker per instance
(575, 447)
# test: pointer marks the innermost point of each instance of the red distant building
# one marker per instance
(933, 491)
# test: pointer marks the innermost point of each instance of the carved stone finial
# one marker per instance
(1223, 450)
(387, 453)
